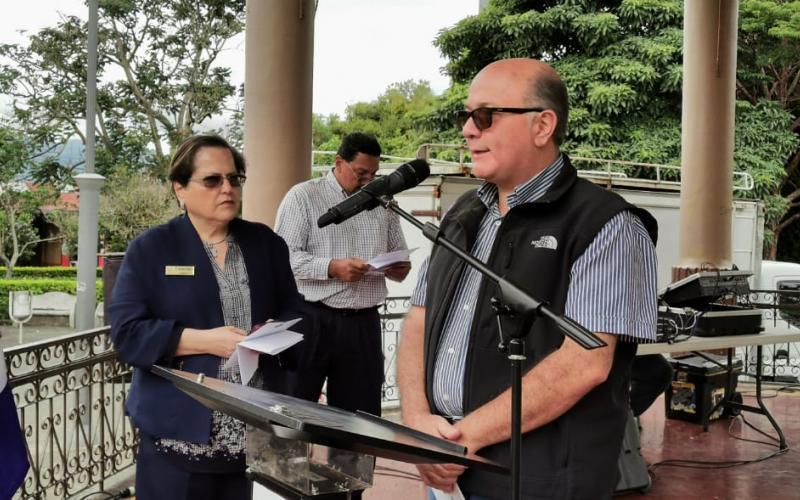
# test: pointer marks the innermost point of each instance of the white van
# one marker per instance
(781, 277)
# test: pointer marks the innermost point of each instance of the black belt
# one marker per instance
(341, 311)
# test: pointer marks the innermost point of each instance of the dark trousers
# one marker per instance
(650, 376)
(158, 477)
(344, 347)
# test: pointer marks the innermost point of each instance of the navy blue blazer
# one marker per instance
(149, 310)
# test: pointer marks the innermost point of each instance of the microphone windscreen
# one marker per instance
(413, 173)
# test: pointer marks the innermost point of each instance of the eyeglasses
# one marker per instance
(361, 176)
(482, 117)
(215, 180)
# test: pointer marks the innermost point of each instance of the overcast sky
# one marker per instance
(393, 38)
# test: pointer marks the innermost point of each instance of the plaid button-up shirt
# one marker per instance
(311, 249)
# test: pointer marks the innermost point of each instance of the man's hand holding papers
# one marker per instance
(394, 265)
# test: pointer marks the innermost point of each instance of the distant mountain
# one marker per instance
(70, 155)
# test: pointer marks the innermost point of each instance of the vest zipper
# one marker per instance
(509, 255)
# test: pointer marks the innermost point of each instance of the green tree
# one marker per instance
(769, 70)
(19, 202)
(129, 204)
(397, 118)
(157, 75)
(621, 61)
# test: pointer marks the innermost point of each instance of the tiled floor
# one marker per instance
(778, 477)
(664, 439)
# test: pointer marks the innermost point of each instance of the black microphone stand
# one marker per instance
(512, 302)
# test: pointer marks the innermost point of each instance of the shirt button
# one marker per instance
(446, 397)
(497, 223)
(451, 350)
(466, 307)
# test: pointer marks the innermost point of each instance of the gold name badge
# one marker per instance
(179, 271)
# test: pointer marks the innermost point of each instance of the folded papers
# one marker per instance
(272, 338)
(381, 262)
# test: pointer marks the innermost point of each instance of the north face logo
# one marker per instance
(545, 242)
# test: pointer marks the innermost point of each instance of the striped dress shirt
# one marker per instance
(618, 267)
(311, 249)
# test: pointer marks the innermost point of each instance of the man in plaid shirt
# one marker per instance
(342, 292)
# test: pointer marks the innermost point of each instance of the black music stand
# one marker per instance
(286, 439)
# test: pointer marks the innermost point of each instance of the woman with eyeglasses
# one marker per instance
(187, 293)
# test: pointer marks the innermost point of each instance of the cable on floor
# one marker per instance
(723, 464)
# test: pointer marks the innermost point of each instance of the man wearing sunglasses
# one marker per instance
(583, 250)
(330, 266)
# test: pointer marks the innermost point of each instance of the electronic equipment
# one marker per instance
(674, 323)
(697, 386)
(724, 319)
(689, 307)
(700, 289)
(717, 320)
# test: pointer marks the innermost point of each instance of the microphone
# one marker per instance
(405, 177)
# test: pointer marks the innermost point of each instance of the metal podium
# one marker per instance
(304, 450)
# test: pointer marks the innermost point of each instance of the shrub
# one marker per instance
(56, 272)
(38, 287)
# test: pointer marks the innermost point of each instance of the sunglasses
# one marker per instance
(216, 180)
(482, 117)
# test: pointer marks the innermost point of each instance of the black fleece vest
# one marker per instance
(536, 246)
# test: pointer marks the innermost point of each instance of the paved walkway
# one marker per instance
(9, 334)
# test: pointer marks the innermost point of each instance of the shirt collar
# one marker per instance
(527, 192)
(330, 179)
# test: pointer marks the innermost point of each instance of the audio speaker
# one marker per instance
(632, 467)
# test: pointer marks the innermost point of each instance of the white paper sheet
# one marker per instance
(384, 260)
(455, 495)
(272, 338)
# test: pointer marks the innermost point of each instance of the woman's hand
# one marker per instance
(219, 341)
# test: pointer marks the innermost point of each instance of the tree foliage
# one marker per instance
(622, 64)
(19, 203)
(399, 118)
(157, 77)
(129, 204)
(769, 70)
(404, 117)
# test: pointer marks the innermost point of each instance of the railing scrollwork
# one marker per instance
(391, 313)
(780, 309)
(70, 394)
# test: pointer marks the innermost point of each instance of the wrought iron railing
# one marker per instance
(780, 310)
(392, 313)
(70, 393)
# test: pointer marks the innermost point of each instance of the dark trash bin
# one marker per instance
(111, 266)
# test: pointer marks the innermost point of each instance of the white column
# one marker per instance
(279, 59)
(709, 93)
